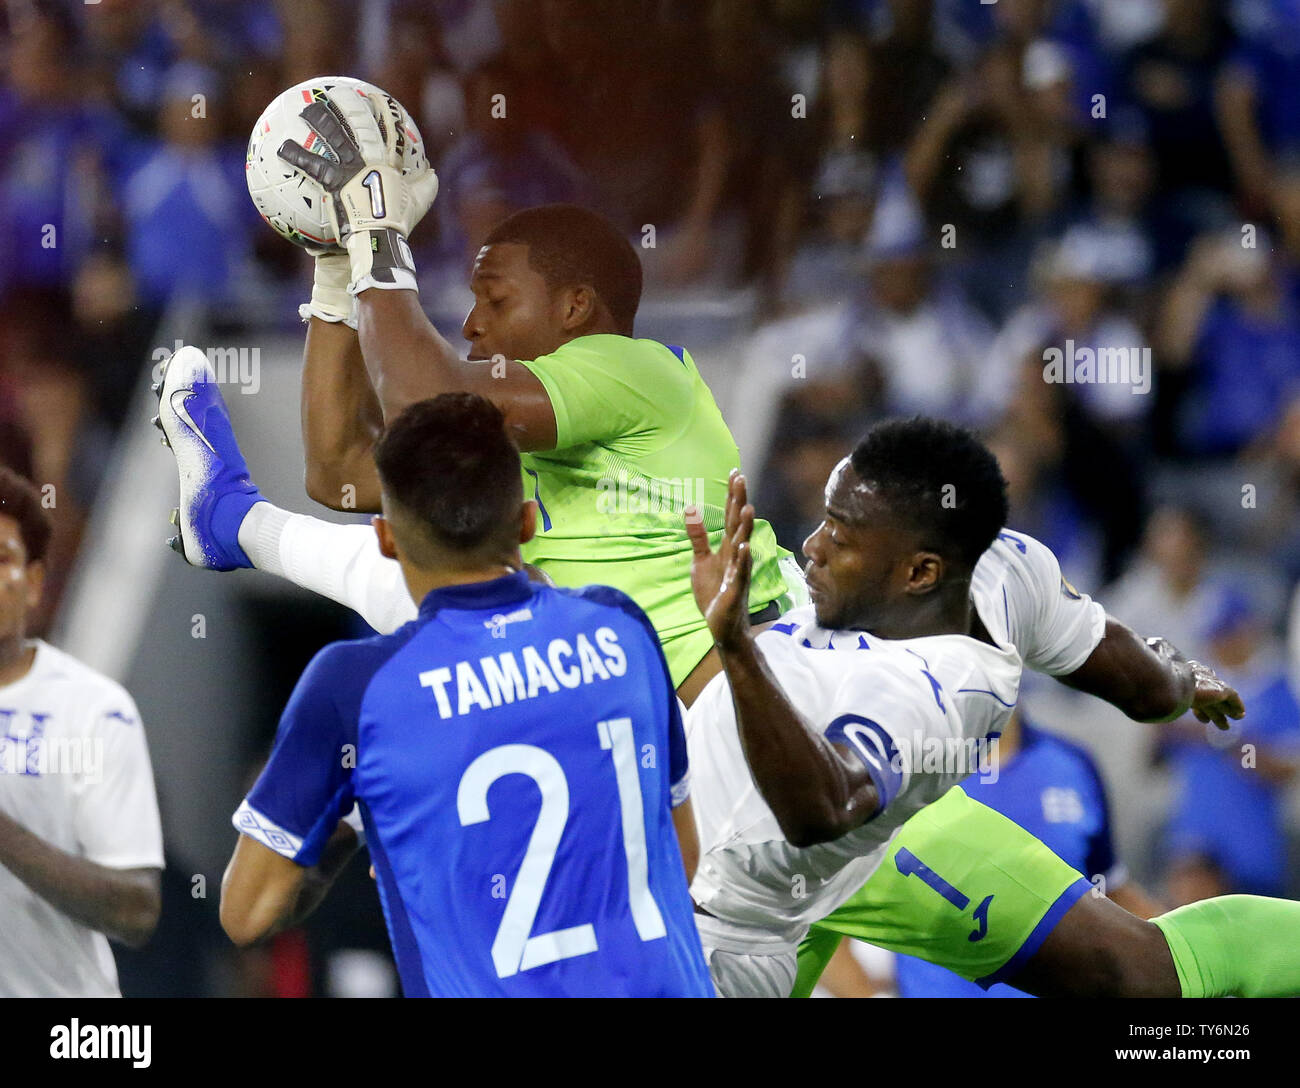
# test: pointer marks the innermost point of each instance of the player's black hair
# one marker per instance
(569, 245)
(20, 500)
(450, 465)
(939, 478)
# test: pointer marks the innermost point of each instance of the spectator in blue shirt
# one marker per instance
(1231, 331)
(1259, 111)
(1227, 830)
(53, 142)
(189, 219)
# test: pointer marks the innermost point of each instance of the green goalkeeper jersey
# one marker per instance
(638, 439)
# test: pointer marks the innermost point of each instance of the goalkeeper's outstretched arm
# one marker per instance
(408, 361)
(373, 208)
(341, 420)
(352, 384)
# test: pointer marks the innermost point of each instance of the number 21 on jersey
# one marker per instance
(516, 948)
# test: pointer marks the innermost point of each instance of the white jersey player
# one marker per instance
(919, 712)
(824, 761)
(80, 838)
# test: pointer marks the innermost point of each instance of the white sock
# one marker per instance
(341, 562)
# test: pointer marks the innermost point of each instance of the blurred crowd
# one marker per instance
(918, 200)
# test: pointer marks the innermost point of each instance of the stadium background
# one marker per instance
(847, 209)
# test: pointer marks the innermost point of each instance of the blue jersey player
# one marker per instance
(516, 754)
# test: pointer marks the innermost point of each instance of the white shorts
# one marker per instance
(744, 963)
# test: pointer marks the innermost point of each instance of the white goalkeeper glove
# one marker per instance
(330, 299)
(372, 205)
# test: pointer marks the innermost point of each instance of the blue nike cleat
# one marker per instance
(216, 491)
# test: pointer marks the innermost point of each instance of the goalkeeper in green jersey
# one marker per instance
(618, 435)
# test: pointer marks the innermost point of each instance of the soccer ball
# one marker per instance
(294, 205)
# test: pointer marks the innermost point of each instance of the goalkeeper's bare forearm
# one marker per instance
(409, 361)
(341, 420)
(405, 356)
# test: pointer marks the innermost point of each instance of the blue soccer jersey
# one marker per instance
(1226, 810)
(1052, 789)
(515, 751)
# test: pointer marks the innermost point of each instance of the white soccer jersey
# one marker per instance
(916, 710)
(74, 770)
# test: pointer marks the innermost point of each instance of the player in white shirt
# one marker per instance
(939, 695)
(812, 759)
(80, 840)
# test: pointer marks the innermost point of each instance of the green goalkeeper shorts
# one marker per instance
(961, 886)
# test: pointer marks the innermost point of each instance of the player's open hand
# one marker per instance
(720, 580)
(1215, 701)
